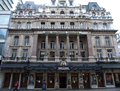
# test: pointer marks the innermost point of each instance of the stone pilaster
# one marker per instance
(35, 46)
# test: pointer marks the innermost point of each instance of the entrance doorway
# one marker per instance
(15, 78)
(117, 79)
(50, 80)
(62, 80)
(86, 80)
(24, 80)
(100, 79)
(39, 77)
(74, 80)
(7, 79)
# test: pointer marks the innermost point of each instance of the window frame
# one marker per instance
(52, 45)
(107, 41)
(71, 45)
(99, 53)
(28, 25)
(62, 45)
(26, 42)
(14, 53)
(25, 53)
(42, 24)
(16, 40)
(97, 41)
(19, 25)
(43, 45)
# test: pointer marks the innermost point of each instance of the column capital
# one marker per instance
(67, 34)
(46, 34)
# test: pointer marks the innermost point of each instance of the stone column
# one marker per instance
(78, 45)
(46, 45)
(90, 50)
(11, 79)
(19, 80)
(115, 46)
(57, 40)
(68, 45)
(35, 44)
(89, 43)
(57, 52)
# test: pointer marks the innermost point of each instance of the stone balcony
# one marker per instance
(58, 59)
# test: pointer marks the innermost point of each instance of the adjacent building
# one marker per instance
(61, 45)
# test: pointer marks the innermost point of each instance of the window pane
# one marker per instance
(1, 47)
(3, 33)
(4, 19)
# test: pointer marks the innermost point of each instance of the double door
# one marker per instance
(15, 78)
(7, 79)
(100, 80)
(74, 80)
(62, 80)
(24, 80)
(86, 80)
(50, 80)
(39, 78)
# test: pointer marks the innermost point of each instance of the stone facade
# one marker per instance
(63, 43)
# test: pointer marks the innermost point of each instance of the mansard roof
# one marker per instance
(91, 4)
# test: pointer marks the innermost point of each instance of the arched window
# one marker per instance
(26, 40)
(28, 6)
(93, 14)
(21, 13)
(62, 12)
(30, 13)
(16, 39)
(102, 14)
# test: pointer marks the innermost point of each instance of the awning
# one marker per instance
(12, 65)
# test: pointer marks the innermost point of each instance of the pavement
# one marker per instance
(99, 89)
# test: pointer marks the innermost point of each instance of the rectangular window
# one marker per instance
(42, 24)
(99, 53)
(62, 4)
(95, 26)
(14, 52)
(81, 45)
(109, 80)
(61, 45)
(105, 26)
(97, 40)
(72, 25)
(71, 45)
(19, 25)
(43, 45)
(28, 25)
(52, 25)
(71, 3)
(82, 25)
(71, 53)
(16, 41)
(107, 41)
(53, 3)
(26, 41)
(109, 51)
(62, 25)
(1, 48)
(52, 45)
(25, 52)
(4, 19)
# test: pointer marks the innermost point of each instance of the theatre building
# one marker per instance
(61, 44)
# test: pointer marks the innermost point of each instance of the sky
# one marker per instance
(111, 6)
